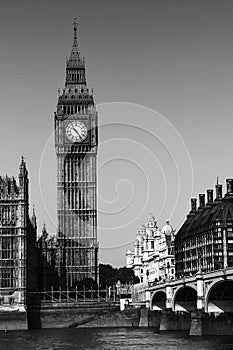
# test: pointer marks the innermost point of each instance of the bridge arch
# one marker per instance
(185, 299)
(158, 300)
(219, 296)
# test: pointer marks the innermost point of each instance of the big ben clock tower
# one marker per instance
(76, 139)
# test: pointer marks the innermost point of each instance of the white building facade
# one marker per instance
(153, 257)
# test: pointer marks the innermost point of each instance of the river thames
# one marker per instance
(108, 339)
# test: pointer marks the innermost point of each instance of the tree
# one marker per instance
(88, 283)
(109, 275)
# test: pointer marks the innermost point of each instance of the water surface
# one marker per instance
(108, 339)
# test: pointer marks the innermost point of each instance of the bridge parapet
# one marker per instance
(188, 293)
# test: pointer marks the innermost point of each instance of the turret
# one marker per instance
(23, 174)
(140, 233)
(151, 222)
(44, 231)
(129, 258)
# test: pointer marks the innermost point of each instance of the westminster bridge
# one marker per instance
(211, 292)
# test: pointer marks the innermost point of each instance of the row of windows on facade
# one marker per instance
(78, 89)
(79, 97)
(8, 274)
(80, 172)
(7, 213)
(76, 77)
(76, 109)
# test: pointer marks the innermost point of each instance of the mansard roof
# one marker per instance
(220, 210)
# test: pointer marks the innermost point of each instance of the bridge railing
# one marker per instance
(75, 296)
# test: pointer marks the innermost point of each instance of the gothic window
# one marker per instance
(7, 278)
(6, 248)
(79, 199)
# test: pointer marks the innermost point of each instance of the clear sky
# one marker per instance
(172, 57)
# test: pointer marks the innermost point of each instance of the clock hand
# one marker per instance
(76, 132)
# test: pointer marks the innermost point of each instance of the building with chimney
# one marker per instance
(205, 240)
(153, 257)
(18, 253)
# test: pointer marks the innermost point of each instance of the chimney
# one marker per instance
(218, 192)
(229, 183)
(193, 204)
(201, 201)
(193, 208)
(210, 196)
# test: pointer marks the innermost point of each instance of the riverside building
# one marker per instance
(205, 240)
(153, 257)
(18, 253)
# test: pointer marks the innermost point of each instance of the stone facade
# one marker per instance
(76, 140)
(205, 240)
(153, 256)
(18, 253)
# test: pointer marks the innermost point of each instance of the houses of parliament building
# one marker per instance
(29, 263)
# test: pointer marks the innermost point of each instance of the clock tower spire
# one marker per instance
(75, 65)
(76, 141)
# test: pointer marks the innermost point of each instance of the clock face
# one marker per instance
(76, 131)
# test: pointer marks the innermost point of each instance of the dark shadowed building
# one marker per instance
(18, 253)
(205, 241)
(48, 252)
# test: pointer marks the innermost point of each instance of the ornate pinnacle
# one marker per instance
(75, 48)
(75, 25)
(22, 167)
(33, 211)
(44, 230)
